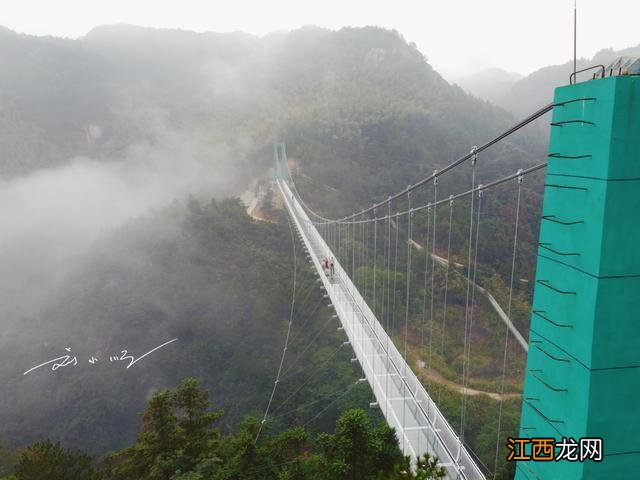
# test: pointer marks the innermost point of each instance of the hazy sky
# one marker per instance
(456, 36)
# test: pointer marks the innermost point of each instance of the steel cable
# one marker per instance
(506, 334)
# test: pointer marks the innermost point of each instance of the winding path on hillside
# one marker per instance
(433, 376)
(494, 303)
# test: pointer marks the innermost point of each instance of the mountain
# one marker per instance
(537, 88)
(118, 154)
(522, 96)
(489, 84)
(118, 86)
(121, 84)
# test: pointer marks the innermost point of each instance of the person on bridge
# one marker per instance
(324, 264)
(332, 266)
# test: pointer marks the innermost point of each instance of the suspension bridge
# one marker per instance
(583, 357)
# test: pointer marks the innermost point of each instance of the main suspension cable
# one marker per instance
(457, 196)
(534, 116)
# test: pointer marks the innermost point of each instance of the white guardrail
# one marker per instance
(402, 398)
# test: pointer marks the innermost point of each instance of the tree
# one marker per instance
(177, 434)
(50, 461)
(427, 468)
(195, 430)
(357, 450)
(293, 447)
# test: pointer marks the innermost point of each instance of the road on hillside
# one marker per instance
(494, 303)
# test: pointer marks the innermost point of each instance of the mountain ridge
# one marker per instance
(520, 97)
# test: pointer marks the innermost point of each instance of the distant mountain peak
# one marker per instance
(524, 94)
(488, 84)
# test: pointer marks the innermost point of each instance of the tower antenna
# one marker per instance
(575, 34)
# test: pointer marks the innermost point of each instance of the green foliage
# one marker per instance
(50, 461)
(356, 450)
(177, 433)
(194, 423)
(193, 449)
(428, 468)
(179, 440)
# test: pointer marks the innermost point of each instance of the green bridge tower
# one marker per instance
(583, 368)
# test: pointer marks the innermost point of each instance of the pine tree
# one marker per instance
(50, 461)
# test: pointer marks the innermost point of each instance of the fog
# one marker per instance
(145, 127)
(100, 247)
(104, 143)
(50, 218)
(79, 247)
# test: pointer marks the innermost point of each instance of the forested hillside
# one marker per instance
(179, 439)
(122, 86)
(205, 274)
